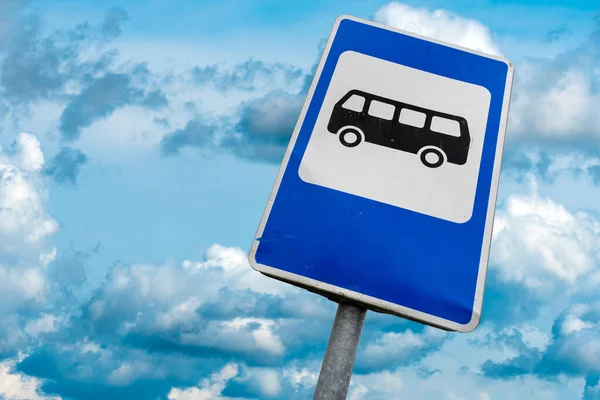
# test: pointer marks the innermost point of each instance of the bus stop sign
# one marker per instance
(387, 191)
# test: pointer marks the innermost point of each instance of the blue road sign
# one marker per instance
(387, 191)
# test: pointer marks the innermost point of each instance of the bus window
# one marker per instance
(412, 118)
(381, 110)
(354, 103)
(446, 126)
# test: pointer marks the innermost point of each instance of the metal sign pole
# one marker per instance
(336, 370)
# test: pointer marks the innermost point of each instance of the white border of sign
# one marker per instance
(368, 301)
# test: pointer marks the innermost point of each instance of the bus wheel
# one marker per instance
(350, 136)
(432, 157)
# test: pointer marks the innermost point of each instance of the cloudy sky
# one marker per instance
(139, 144)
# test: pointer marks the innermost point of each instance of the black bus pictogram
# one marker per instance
(434, 136)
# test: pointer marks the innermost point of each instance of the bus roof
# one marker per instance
(403, 105)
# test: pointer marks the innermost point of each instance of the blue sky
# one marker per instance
(136, 162)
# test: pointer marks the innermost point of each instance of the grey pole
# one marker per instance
(336, 370)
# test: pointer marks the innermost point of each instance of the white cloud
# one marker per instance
(566, 106)
(47, 257)
(439, 24)
(178, 314)
(128, 372)
(264, 336)
(573, 321)
(358, 392)
(555, 100)
(31, 156)
(267, 340)
(408, 383)
(576, 346)
(301, 377)
(250, 336)
(267, 381)
(16, 386)
(230, 259)
(175, 290)
(273, 116)
(219, 303)
(550, 165)
(393, 348)
(264, 381)
(178, 290)
(455, 369)
(574, 349)
(209, 389)
(22, 215)
(130, 131)
(26, 229)
(447, 384)
(534, 337)
(542, 245)
(378, 385)
(504, 344)
(47, 323)
(238, 273)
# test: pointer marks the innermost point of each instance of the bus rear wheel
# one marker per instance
(350, 136)
(432, 157)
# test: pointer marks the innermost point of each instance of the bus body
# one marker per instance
(386, 122)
